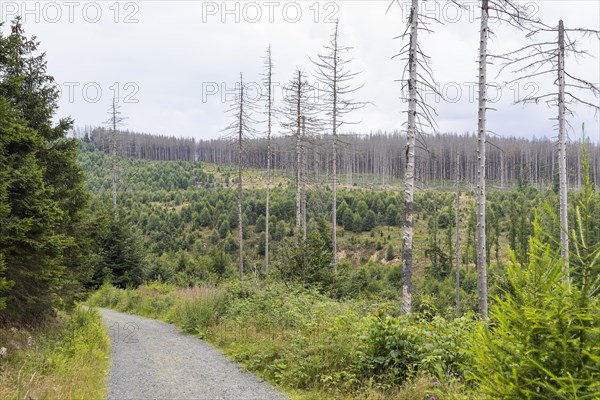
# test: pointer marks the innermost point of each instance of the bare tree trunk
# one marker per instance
(269, 79)
(596, 169)
(409, 177)
(298, 184)
(351, 167)
(298, 154)
(481, 142)
(303, 176)
(334, 196)
(457, 224)
(562, 150)
(502, 170)
(240, 186)
(332, 73)
(334, 156)
(113, 155)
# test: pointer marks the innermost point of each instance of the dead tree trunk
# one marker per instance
(302, 121)
(562, 150)
(240, 184)
(333, 73)
(113, 156)
(334, 159)
(481, 143)
(303, 177)
(548, 57)
(502, 170)
(409, 176)
(269, 83)
(298, 154)
(114, 122)
(457, 226)
(297, 178)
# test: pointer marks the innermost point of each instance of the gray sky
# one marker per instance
(174, 63)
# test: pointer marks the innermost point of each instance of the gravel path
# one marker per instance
(154, 360)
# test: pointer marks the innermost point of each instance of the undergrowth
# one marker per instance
(65, 358)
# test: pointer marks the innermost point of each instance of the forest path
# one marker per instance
(154, 360)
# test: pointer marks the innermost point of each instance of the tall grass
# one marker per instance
(198, 309)
(67, 358)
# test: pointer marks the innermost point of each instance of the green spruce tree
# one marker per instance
(43, 213)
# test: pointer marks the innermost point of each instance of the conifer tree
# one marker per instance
(41, 237)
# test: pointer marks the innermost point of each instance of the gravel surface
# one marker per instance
(154, 360)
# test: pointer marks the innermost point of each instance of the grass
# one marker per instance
(64, 358)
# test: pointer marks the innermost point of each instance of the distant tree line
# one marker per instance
(377, 158)
(141, 145)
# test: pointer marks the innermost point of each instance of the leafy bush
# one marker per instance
(369, 281)
(392, 349)
(219, 263)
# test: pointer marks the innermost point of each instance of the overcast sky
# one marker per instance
(174, 63)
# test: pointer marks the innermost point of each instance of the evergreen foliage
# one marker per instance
(307, 261)
(544, 342)
(42, 198)
(122, 254)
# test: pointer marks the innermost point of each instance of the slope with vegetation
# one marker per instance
(318, 334)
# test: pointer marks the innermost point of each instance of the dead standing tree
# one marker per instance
(517, 16)
(300, 110)
(547, 57)
(457, 227)
(481, 139)
(420, 119)
(238, 131)
(115, 121)
(333, 73)
(268, 83)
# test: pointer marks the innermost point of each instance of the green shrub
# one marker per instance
(392, 349)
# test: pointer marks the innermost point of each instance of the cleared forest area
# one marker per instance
(376, 159)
